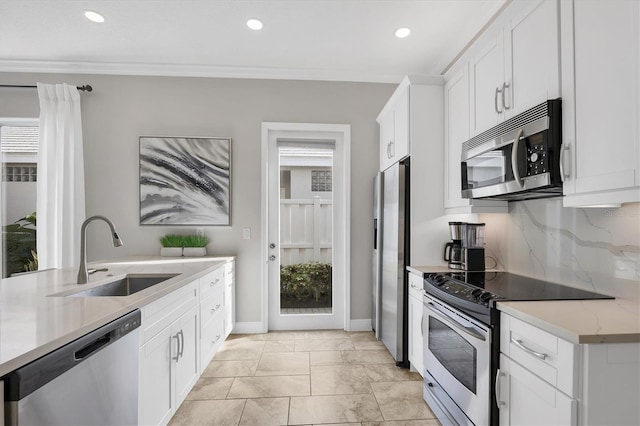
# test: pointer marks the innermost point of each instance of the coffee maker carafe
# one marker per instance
(453, 249)
(473, 246)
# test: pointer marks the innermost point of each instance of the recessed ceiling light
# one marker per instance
(403, 32)
(94, 16)
(254, 24)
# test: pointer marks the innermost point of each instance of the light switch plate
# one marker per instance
(246, 233)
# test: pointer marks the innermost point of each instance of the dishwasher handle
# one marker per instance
(27, 379)
(93, 347)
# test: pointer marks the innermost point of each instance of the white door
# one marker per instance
(292, 238)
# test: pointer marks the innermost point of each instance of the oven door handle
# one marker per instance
(468, 330)
(514, 158)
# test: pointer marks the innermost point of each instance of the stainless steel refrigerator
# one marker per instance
(391, 257)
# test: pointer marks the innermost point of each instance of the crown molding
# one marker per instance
(186, 70)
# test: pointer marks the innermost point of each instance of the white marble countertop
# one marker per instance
(422, 270)
(582, 321)
(34, 323)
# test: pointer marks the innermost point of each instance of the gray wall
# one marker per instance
(122, 108)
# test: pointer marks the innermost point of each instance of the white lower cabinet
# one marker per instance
(415, 323)
(168, 369)
(544, 379)
(524, 398)
(180, 334)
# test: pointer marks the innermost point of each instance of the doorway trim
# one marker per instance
(295, 130)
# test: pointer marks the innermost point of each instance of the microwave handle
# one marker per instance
(514, 159)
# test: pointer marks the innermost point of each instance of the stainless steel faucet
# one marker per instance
(83, 275)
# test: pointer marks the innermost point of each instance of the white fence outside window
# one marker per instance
(305, 231)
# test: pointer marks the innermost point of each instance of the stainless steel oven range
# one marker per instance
(461, 338)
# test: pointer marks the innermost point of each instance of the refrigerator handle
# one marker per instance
(375, 234)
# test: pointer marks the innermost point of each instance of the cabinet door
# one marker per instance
(601, 111)
(401, 140)
(156, 402)
(415, 334)
(229, 299)
(456, 132)
(186, 364)
(386, 139)
(532, 57)
(487, 77)
(524, 398)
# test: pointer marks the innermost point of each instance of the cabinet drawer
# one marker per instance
(546, 355)
(158, 315)
(210, 281)
(416, 284)
(212, 336)
(212, 305)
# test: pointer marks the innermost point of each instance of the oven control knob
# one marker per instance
(485, 296)
(476, 293)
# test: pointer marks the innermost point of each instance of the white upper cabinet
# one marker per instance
(487, 80)
(532, 48)
(601, 101)
(456, 132)
(394, 127)
(514, 66)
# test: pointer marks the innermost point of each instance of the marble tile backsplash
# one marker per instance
(591, 249)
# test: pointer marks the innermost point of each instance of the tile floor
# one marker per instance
(305, 378)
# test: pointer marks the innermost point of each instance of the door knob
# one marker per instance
(272, 246)
(272, 257)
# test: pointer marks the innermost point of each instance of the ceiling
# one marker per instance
(342, 40)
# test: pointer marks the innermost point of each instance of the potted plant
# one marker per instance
(171, 245)
(194, 245)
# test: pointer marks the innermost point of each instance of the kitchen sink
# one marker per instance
(126, 286)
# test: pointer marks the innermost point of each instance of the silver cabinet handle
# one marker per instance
(514, 159)
(181, 353)
(212, 283)
(216, 339)
(177, 337)
(497, 388)
(519, 344)
(422, 326)
(563, 176)
(495, 100)
(504, 96)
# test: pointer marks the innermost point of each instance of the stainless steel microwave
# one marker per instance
(519, 159)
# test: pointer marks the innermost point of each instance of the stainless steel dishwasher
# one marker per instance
(90, 381)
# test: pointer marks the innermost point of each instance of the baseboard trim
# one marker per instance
(360, 325)
(248, 327)
(252, 327)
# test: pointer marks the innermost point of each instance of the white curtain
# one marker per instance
(60, 197)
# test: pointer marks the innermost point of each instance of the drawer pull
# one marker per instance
(212, 283)
(519, 344)
(213, 310)
(216, 339)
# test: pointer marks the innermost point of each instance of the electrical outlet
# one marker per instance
(246, 233)
(200, 232)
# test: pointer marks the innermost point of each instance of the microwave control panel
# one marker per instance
(537, 155)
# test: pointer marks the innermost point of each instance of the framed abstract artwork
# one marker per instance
(185, 181)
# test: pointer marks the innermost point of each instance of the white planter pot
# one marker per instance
(194, 251)
(171, 251)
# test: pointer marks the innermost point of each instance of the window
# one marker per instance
(321, 180)
(19, 150)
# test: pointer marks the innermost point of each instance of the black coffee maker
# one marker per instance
(465, 251)
(453, 249)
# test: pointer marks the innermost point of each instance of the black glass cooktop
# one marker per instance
(518, 287)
